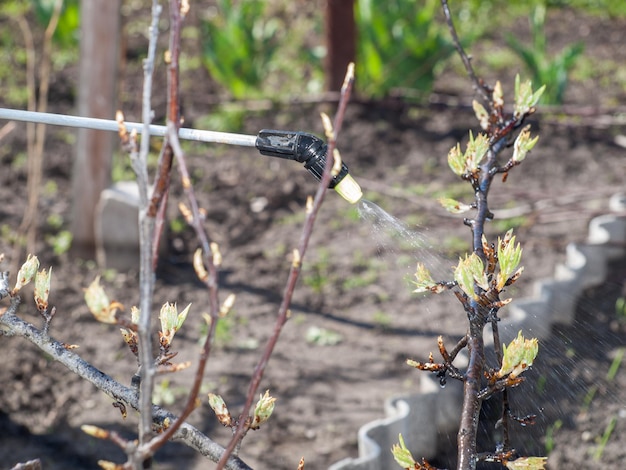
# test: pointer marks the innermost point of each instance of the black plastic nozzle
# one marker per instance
(301, 147)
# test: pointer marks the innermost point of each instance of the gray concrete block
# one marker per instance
(117, 227)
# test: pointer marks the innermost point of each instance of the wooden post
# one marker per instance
(99, 55)
(340, 41)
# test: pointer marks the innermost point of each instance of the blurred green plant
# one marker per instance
(382, 320)
(620, 308)
(604, 439)
(550, 431)
(239, 44)
(322, 336)
(401, 45)
(165, 394)
(611, 8)
(68, 28)
(550, 71)
(60, 242)
(317, 274)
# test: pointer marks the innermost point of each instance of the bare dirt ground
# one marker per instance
(353, 287)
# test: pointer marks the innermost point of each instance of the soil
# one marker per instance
(354, 319)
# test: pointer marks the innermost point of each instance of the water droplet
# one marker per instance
(392, 234)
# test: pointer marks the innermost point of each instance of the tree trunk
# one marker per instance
(340, 41)
(99, 54)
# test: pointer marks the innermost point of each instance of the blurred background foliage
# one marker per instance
(274, 49)
(67, 30)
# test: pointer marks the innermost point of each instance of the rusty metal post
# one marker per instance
(99, 56)
(340, 41)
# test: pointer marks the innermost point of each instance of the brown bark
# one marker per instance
(100, 25)
(340, 41)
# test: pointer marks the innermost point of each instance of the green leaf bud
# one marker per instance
(525, 99)
(498, 95)
(469, 271)
(523, 144)
(26, 273)
(456, 160)
(171, 320)
(509, 257)
(221, 411)
(453, 206)
(476, 150)
(527, 463)
(402, 454)
(99, 304)
(134, 314)
(423, 280)
(481, 114)
(518, 356)
(42, 288)
(263, 409)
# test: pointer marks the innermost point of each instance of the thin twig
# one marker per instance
(476, 82)
(146, 231)
(35, 134)
(283, 311)
(173, 148)
(190, 406)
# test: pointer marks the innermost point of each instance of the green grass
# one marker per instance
(550, 432)
(317, 273)
(382, 319)
(615, 364)
(604, 439)
(361, 280)
(61, 242)
(503, 225)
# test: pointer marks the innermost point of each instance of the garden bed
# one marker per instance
(354, 319)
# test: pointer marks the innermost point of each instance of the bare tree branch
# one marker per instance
(15, 326)
(146, 233)
(467, 62)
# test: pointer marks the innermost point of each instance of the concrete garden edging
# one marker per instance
(553, 302)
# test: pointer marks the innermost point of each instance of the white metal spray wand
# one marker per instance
(299, 146)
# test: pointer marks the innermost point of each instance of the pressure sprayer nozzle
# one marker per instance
(349, 189)
(310, 150)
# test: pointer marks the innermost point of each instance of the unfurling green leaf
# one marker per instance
(518, 356)
(130, 336)
(464, 278)
(423, 280)
(476, 151)
(509, 257)
(527, 463)
(523, 144)
(263, 409)
(99, 304)
(27, 272)
(481, 114)
(498, 95)
(470, 271)
(402, 454)
(42, 288)
(171, 320)
(468, 162)
(453, 206)
(525, 98)
(134, 314)
(456, 160)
